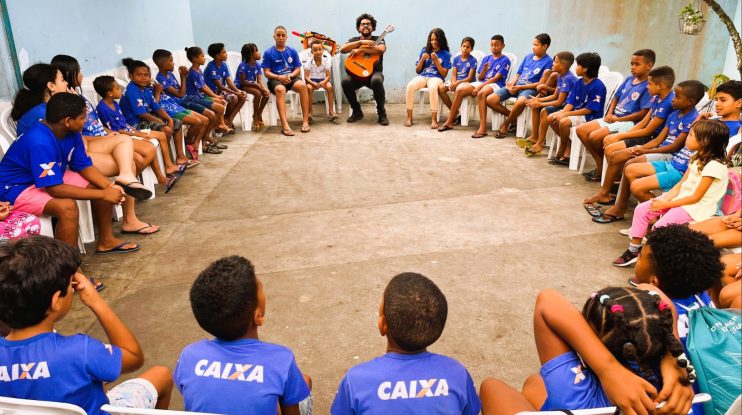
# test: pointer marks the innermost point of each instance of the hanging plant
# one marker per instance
(691, 20)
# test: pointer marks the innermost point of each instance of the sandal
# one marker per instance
(138, 193)
(607, 218)
(192, 151)
(212, 149)
(479, 135)
(304, 129)
(531, 153)
(524, 143)
(171, 181)
(287, 132)
(594, 211)
(564, 161)
(592, 178)
(500, 134)
(608, 203)
(443, 128)
(192, 163)
(221, 146)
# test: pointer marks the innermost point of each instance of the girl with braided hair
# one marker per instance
(619, 352)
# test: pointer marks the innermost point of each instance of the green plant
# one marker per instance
(690, 15)
(717, 80)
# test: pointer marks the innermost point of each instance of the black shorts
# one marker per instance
(273, 83)
(633, 142)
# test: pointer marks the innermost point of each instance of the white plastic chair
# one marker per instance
(578, 153)
(116, 410)
(7, 130)
(699, 398)
(467, 102)
(497, 118)
(14, 406)
(304, 56)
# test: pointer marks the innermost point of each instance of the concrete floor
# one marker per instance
(330, 216)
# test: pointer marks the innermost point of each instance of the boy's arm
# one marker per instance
(670, 148)
(703, 186)
(166, 117)
(118, 334)
(559, 327)
(206, 90)
(633, 117)
(609, 117)
(231, 86)
(328, 75)
(534, 85)
(290, 409)
(581, 111)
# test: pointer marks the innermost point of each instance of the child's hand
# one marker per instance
(476, 90)
(424, 57)
(157, 87)
(85, 290)
(5, 209)
(632, 394)
(113, 194)
(659, 204)
(610, 139)
(610, 118)
(434, 57)
(678, 398)
(183, 71)
(636, 151)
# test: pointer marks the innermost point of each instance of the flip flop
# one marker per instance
(594, 211)
(192, 163)
(171, 181)
(181, 169)
(99, 286)
(592, 178)
(443, 128)
(501, 134)
(333, 117)
(139, 231)
(287, 133)
(304, 129)
(512, 128)
(559, 162)
(192, 151)
(138, 193)
(608, 203)
(477, 135)
(118, 249)
(607, 218)
(531, 153)
(524, 143)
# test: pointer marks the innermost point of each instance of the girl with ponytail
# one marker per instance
(40, 82)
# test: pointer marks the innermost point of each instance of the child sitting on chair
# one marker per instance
(248, 78)
(409, 379)
(317, 76)
(219, 79)
(228, 301)
(464, 72)
(38, 278)
(432, 67)
(584, 103)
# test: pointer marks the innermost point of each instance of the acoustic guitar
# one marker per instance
(361, 65)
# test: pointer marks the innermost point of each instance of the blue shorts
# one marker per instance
(551, 110)
(196, 104)
(667, 175)
(571, 385)
(505, 94)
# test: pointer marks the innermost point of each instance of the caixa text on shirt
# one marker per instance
(24, 371)
(423, 388)
(229, 371)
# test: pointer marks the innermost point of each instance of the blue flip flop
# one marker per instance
(100, 287)
(118, 249)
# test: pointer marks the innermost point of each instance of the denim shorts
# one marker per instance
(505, 94)
(196, 104)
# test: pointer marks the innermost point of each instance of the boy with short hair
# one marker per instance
(541, 107)
(219, 79)
(584, 104)
(661, 162)
(534, 70)
(728, 104)
(35, 178)
(236, 373)
(629, 105)
(38, 278)
(491, 76)
(409, 379)
(617, 153)
(317, 73)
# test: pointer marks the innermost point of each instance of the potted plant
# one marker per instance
(691, 20)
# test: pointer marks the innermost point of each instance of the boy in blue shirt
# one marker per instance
(728, 103)
(282, 68)
(38, 278)
(584, 103)
(661, 162)
(491, 76)
(34, 174)
(629, 105)
(408, 379)
(618, 146)
(533, 70)
(541, 107)
(219, 79)
(236, 373)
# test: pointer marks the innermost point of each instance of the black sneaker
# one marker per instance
(626, 259)
(355, 116)
(382, 119)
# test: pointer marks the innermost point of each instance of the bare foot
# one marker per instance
(536, 148)
(115, 243)
(434, 125)
(139, 227)
(407, 123)
(614, 211)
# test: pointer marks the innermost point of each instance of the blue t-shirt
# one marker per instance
(677, 124)
(194, 82)
(590, 96)
(52, 367)
(93, 127)
(421, 383)
(251, 73)
(499, 65)
(660, 108)
(237, 377)
(429, 69)
(281, 62)
(733, 126)
(565, 84)
(571, 385)
(168, 81)
(112, 118)
(213, 73)
(31, 118)
(531, 70)
(464, 66)
(631, 98)
(39, 158)
(137, 101)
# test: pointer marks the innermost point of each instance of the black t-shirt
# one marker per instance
(379, 66)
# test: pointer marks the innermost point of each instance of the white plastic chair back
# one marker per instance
(478, 54)
(7, 130)
(513, 64)
(706, 105)
(89, 93)
(233, 62)
(603, 69)
(699, 398)
(13, 406)
(180, 58)
(115, 410)
(611, 80)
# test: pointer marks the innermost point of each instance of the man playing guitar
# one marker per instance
(365, 43)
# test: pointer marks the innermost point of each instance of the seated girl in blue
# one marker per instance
(40, 81)
(248, 78)
(620, 351)
(432, 67)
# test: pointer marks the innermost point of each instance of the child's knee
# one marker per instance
(279, 90)
(65, 210)
(490, 387)
(167, 130)
(160, 376)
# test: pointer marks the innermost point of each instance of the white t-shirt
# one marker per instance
(315, 71)
(709, 203)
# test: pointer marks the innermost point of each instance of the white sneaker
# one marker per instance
(625, 232)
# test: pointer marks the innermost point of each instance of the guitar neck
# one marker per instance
(381, 36)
